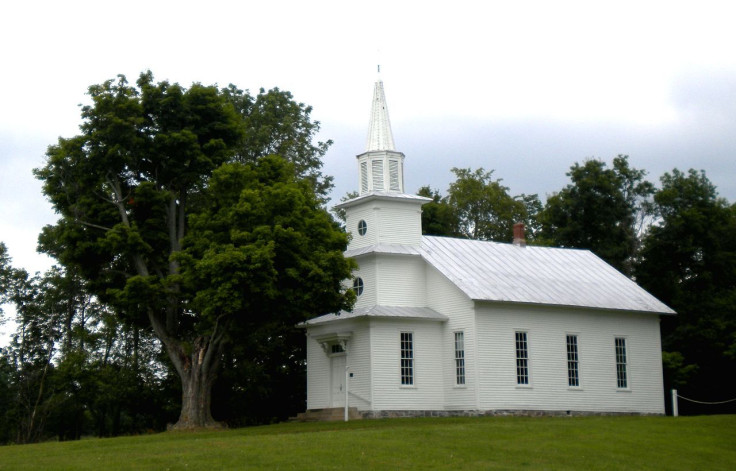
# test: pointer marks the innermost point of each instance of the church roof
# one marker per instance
(493, 271)
(381, 311)
(380, 136)
(383, 195)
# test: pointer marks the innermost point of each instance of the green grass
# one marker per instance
(584, 443)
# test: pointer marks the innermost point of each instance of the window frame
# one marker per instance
(523, 362)
(407, 365)
(621, 358)
(362, 227)
(358, 286)
(460, 371)
(573, 363)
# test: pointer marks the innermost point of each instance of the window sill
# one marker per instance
(524, 386)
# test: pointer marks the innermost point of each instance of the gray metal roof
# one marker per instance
(384, 195)
(383, 248)
(492, 271)
(380, 311)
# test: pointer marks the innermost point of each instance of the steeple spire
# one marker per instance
(379, 129)
(381, 167)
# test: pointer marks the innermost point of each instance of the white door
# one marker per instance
(338, 381)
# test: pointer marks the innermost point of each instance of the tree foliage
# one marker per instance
(175, 215)
(277, 125)
(602, 210)
(438, 217)
(72, 368)
(482, 207)
(688, 260)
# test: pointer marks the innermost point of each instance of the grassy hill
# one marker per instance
(590, 443)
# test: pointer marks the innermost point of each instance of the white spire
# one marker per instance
(379, 129)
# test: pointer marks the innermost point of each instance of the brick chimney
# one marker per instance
(519, 239)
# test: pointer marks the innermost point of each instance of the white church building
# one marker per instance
(445, 326)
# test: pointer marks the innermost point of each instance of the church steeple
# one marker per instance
(379, 129)
(382, 215)
(381, 167)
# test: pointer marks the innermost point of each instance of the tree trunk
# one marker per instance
(197, 372)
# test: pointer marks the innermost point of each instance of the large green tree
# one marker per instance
(688, 260)
(175, 228)
(602, 210)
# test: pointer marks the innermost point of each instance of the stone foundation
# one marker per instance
(390, 414)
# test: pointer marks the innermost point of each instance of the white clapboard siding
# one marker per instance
(546, 329)
(443, 296)
(401, 280)
(388, 222)
(427, 391)
(365, 213)
(400, 223)
(318, 374)
(359, 361)
(367, 272)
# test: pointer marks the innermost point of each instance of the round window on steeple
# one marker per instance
(358, 286)
(362, 227)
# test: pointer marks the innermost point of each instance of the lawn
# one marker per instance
(584, 443)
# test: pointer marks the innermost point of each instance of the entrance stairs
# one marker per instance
(327, 415)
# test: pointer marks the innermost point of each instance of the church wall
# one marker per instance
(359, 361)
(396, 222)
(318, 373)
(400, 223)
(354, 215)
(367, 271)
(427, 391)
(444, 297)
(401, 280)
(547, 328)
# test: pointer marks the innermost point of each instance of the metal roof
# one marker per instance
(384, 195)
(380, 311)
(383, 248)
(493, 271)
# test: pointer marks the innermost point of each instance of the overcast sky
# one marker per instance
(525, 88)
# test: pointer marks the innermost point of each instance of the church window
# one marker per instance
(377, 168)
(621, 361)
(393, 172)
(358, 286)
(522, 359)
(459, 358)
(362, 227)
(407, 359)
(363, 177)
(573, 373)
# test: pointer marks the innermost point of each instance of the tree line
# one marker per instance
(192, 238)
